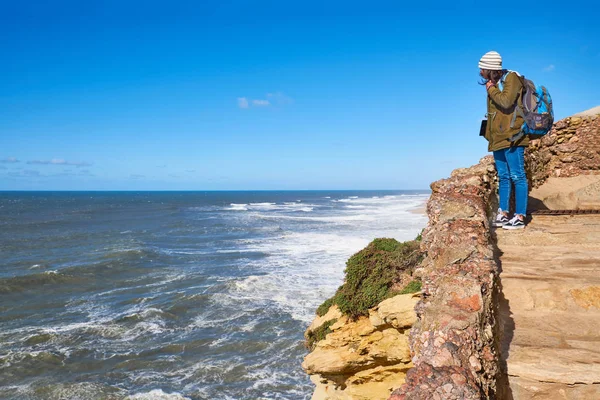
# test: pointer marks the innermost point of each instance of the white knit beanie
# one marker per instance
(491, 61)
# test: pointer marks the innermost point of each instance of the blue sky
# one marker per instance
(225, 95)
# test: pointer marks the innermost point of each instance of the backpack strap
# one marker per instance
(508, 71)
(517, 136)
(518, 109)
(545, 98)
(501, 81)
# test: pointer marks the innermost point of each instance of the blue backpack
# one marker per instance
(537, 110)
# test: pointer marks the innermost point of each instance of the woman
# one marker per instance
(505, 139)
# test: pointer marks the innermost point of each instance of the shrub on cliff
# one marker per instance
(318, 334)
(372, 275)
(412, 287)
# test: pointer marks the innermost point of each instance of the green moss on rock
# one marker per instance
(412, 287)
(319, 334)
(419, 237)
(323, 308)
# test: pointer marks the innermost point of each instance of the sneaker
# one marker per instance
(500, 220)
(514, 223)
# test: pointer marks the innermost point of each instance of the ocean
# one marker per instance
(176, 295)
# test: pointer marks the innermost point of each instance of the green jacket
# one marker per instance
(501, 108)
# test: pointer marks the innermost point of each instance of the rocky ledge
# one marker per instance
(455, 340)
(366, 358)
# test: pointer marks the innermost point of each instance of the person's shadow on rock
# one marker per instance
(506, 329)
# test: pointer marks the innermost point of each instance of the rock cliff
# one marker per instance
(570, 149)
(455, 338)
(454, 341)
(366, 358)
(359, 340)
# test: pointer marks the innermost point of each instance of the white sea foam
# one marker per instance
(220, 341)
(262, 207)
(206, 321)
(238, 207)
(80, 390)
(188, 252)
(340, 219)
(102, 322)
(157, 394)
(290, 205)
(16, 391)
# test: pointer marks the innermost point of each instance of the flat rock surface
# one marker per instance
(578, 192)
(589, 113)
(550, 310)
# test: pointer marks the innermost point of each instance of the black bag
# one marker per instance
(483, 127)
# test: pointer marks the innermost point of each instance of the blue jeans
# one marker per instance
(510, 164)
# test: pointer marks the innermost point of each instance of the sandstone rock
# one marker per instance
(522, 388)
(454, 209)
(575, 121)
(333, 313)
(551, 312)
(587, 297)
(568, 193)
(366, 358)
(375, 319)
(371, 384)
(346, 350)
(398, 311)
(577, 136)
(592, 112)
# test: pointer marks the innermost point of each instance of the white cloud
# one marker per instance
(261, 103)
(272, 99)
(242, 102)
(59, 161)
(30, 173)
(279, 98)
(550, 68)
(9, 160)
(85, 172)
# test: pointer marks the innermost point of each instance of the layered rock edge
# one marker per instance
(364, 358)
